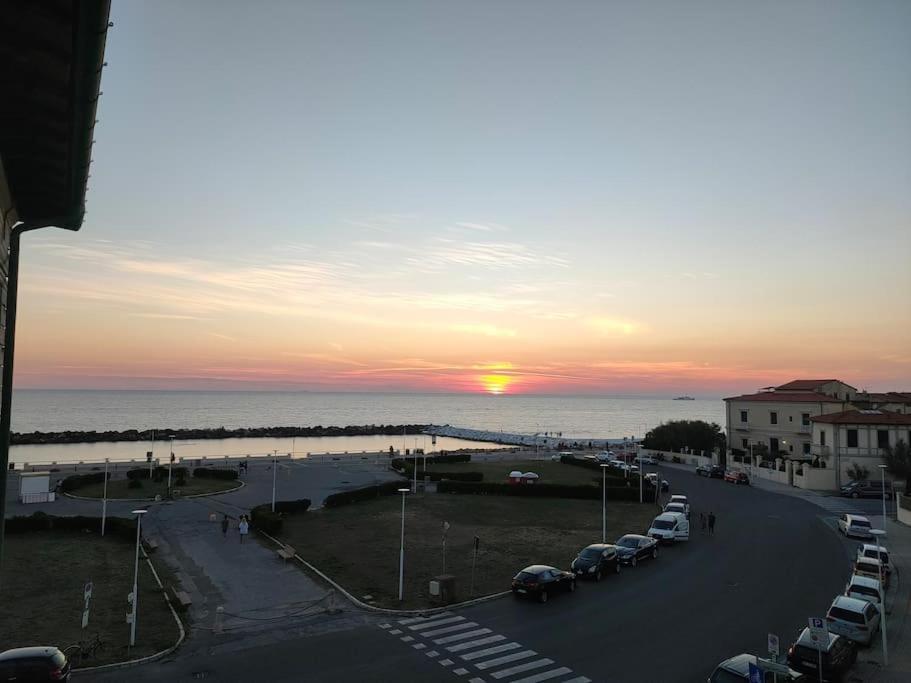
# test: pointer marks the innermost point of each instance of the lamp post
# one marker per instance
(877, 533)
(604, 467)
(104, 496)
(274, 470)
(641, 466)
(402, 550)
(882, 472)
(170, 464)
(139, 514)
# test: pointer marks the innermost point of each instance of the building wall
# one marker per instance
(839, 390)
(867, 453)
(790, 431)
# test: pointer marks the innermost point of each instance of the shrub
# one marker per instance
(858, 472)
(366, 493)
(38, 521)
(584, 492)
(134, 484)
(292, 506)
(180, 479)
(265, 520)
(77, 481)
(118, 527)
(676, 459)
(215, 473)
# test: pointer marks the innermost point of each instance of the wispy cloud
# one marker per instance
(613, 326)
(482, 329)
(483, 227)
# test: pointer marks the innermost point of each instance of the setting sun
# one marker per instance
(496, 384)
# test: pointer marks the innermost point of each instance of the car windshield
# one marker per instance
(884, 556)
(674, 507)
(590, 554)
(628, 542)
(662, 524)
(846, 615)
(864, 590)
(860, 522)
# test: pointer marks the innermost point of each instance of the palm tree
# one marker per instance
(898, 460)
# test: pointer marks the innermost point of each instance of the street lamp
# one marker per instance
(882, 472)
(877, 533)
(274, 470)
(604, 467)
(641, 466)
(139, 514)
(170, 465)
(104, 496)
(402, 549)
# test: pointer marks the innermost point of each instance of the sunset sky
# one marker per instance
(556, 197)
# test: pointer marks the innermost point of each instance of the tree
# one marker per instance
(858, 472)
(697, 435)
(898, 460)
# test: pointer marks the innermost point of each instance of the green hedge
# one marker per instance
(292, 506)
(117, 527)
(158, 473)
(583, 492)
(366, 493)
(77, 481)
(215, 473)
(407, 469)
(265, 520)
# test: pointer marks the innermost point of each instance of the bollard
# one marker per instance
(331, 603)
(219, 619)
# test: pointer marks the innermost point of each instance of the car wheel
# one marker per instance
(542, 596)
(572, 586)
(655, 553)
(855, 495)
(617, 567)
(598, 575)
(633, 561)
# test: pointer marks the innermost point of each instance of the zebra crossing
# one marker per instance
(475, 652)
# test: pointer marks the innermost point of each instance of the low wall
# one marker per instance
(686, 458)
(904, 510)
(818, 479)
(770, 475)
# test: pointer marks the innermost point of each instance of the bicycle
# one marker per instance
(85, 649)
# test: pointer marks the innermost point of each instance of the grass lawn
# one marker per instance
(43, 577)
(549, 471)
(358, 545)
(117, 488)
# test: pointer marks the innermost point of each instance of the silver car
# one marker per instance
(855, 619)
(855, 525)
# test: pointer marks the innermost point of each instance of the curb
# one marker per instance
(387, 610)
(152, 500)
(148, 658)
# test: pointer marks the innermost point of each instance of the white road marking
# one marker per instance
(407, 639)
(385, 625)
(505, 659)
(446, 662)
(462, 636)
(491, 651)
(414, 620)
(545, 676)
(527, 666)
(475, 680)
(432, 653)
(436, 622)
(460, 672)
(475, 643)
(395, 631)
(448, 629)
(579, 679)
(419, 646)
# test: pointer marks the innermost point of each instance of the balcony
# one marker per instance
(805, 429)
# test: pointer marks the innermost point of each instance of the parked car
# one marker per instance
(870, 550)
(680, 498)
(872, 488)
(675, 507)
(863, 587)
(855, 525)
(604, 456)
(635, 547)
(711, 471)
(539, 581)
(872, 568)
(596, 560)
(647, 460)
(670, 527)
(737, 668)
(737, 477)
(28, 664)
(856, 620)
(838, 656)
(652, 478)
(557, 457)
(618, 464)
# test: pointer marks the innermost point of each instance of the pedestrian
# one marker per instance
(224, 525)
(702, 521)
(712, 523)
(244, 527)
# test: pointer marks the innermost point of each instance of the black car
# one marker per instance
(711, 471)
(635, 547)
(33, 664)
(837, 657)
(596, 560)
(865, 489)
(539, 581)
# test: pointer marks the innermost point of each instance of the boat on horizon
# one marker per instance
(684, 398)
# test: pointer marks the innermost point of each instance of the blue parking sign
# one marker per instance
(755, 674)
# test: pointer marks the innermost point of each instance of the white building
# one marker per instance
(857, 437)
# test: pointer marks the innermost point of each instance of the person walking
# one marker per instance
(711, 523)
(224, 526)
(243, 527)
(702, 521)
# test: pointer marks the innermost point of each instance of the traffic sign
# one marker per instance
(819, 631)
(773, 645)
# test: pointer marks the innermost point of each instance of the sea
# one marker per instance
(576, 417)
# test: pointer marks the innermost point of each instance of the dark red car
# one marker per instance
(737, 477)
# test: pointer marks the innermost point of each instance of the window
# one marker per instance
(882, 438)
(822, 437)
(790, 448)
(773, 417)
(852, 438)
(846, 615)
(773, 445)
(806, 448)
(743, 416)
(745, 443)
(805, 419)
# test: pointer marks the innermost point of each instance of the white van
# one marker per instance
(670, 527)
(856, 620)
(679, 498)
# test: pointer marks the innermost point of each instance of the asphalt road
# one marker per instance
(773, 562)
